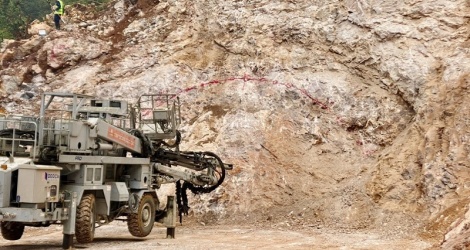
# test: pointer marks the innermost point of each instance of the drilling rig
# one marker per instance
(85, 162)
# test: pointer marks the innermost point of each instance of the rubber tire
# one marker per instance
(140, 224)
(85, 224)
(12, 230)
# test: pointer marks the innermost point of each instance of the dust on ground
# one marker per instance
(196, 236)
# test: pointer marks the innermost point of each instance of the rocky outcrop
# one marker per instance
(347, 113)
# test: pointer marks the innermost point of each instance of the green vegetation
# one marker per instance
(15, 15)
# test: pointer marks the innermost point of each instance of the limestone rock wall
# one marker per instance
(344, 113)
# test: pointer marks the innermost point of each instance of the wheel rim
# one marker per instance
(146, 218)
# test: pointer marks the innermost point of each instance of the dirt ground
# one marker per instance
(197, 236)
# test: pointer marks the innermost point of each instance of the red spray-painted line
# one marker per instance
(246, 78)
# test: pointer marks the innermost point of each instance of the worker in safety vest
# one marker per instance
(59, 11)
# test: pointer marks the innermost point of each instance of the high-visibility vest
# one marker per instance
(60, 11)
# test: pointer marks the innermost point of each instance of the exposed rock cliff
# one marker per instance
(348, 114)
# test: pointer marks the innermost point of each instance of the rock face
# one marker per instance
(347, 113)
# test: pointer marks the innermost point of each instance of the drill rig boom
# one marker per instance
(86, 161)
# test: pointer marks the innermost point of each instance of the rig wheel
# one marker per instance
(12, 230)
(85, 224)
(140, 224)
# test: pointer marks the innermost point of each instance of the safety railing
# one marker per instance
(158, 116)
(18, 135)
